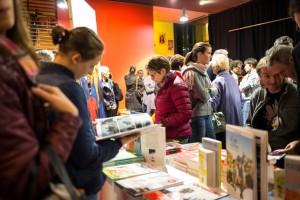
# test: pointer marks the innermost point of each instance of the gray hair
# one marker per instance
(279, 53)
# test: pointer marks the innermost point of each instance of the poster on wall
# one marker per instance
(170, 45)
(162, 38)
(83, 15)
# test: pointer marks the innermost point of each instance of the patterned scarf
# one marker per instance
(158, 86)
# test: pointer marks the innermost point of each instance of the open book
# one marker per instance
(120, 126)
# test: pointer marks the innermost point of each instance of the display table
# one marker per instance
(112, 192)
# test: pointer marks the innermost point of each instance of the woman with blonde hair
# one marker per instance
(229, 99)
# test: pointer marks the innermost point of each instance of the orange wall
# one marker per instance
(63, 18)
(127, 33)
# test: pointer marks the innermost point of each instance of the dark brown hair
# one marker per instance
(198, 47)
(280, 54)
(251, 61)
(294, 7)
(81, 39)
(176, 62)
(157, 62)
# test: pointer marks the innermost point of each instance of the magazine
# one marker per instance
(120, 126)
(143, 184)
(193, 191)
(128, 170)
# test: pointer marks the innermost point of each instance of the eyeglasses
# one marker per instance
(152, 75)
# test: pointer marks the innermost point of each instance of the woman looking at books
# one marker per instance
(80, 49)
(173, 107)
(23, 126)
(195, 76)
(274, 107)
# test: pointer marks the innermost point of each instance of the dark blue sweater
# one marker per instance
(85, 161)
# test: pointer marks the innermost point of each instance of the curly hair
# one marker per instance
(220, 61)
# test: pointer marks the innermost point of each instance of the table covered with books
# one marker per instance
(192, 171)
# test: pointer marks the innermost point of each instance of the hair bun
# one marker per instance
(59, 34)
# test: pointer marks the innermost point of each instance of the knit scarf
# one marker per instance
(189, 75)
(161, 84)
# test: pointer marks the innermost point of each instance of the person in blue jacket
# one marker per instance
(80, 49)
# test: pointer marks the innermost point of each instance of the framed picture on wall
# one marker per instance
(162, 38)
(170, 44)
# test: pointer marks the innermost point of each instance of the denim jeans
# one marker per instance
(246, 109)
(202, 127)
(144, 108)
(92, 197)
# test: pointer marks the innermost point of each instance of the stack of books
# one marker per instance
(182, 159)
(210, 168)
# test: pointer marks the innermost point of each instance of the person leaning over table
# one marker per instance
(23, 126)
(80, 49)
(172, 103)
(280, 60)
(273, 107)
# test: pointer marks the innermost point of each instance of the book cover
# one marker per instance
(153, 147)
(261, 152)
(120, 126)
(278, 184)
(124, 157)
(216, 146)
(149, 182)
(128, 170)
(207, 167)
(292, 177)
(193, 191)
(241, 166)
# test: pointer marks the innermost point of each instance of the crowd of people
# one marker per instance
(55, 100)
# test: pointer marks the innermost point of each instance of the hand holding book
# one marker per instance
(130, 138)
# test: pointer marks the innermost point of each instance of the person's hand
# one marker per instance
(56, 99)
(114, 106)
(130, 138)
(292, 148)
(94, 124)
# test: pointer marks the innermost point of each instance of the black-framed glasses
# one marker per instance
(156, 72)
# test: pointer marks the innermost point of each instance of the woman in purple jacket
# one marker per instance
(173, 106)
(229, 99)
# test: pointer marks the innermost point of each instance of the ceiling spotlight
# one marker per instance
(62, 4)
(203, 2)
(184, 17)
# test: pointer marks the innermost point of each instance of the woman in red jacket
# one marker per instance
(173, 106)
(23, 126)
